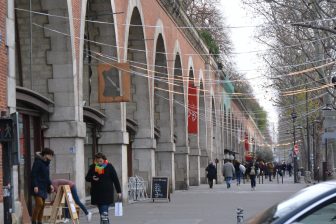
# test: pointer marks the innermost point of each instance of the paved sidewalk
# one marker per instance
(201, 205)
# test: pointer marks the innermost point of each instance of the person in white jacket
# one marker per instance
(228, 171)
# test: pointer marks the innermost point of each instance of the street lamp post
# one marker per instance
(294, 116)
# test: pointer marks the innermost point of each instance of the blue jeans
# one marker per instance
(77, 201)
(238, 175)
(228, 181)
(103, 209)
(253, 180)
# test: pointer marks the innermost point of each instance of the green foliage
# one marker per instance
(210, 42)
(261, 118)
(265, 155)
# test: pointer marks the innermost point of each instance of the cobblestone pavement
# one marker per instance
(201, 205)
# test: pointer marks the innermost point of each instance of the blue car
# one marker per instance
(315, 204)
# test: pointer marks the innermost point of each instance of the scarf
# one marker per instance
(100, 169)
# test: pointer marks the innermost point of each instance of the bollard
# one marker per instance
(240, 215)
(262, 178)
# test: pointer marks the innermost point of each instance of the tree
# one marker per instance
(265, 155)
(301, 36)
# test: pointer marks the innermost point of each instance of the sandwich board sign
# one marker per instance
(160, 188)
(64, 192)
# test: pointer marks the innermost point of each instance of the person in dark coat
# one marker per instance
(41, 183)
(252, 170)
(212, 173)
(236, 165)
(103, 177)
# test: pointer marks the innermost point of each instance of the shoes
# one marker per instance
(65, 220)
(89, 216)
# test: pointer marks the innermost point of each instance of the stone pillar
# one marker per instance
(114, 140)
(182, 167)
(194, 161)
(165, 162)
(67, 130)
(144, 159)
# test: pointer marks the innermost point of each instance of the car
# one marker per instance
(314, 204)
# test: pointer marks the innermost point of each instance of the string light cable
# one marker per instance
(290, 74)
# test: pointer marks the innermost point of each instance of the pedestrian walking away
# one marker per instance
(238, 172)
(41, 183)
(228, 171)
(252, 172)
(103, 179)
(211, 173)
(59, 182)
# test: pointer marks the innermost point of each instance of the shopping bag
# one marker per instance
(118, 209)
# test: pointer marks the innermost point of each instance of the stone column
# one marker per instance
(182, 167)
(144, 159)
(165, 162)
(194, 161)
(114, 140)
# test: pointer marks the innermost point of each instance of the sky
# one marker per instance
(249, 63)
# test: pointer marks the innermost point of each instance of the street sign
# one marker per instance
(296, 149)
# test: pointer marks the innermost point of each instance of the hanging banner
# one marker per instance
(247, 144)
(192, 109)
(114, 83)
(248, 156)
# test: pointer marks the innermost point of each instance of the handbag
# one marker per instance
(118, 209)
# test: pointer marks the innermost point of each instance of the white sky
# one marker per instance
(243, 40)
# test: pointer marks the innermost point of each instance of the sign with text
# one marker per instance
(160, 188)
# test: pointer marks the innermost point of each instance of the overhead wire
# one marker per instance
(313, 89)
(289, 74)
(64, 17)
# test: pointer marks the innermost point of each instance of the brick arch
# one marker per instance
(99, 47)
(134, 5)
(55, 76)
(179, 109)
(224, 127)
(191, 67)
(139, 108)
(213, 127)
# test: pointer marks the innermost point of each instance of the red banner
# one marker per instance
(247, 144)
(192, 109)
(248, 156)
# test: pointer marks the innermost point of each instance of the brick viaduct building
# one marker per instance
(56, 53)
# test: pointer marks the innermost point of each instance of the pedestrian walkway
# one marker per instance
(202, 205)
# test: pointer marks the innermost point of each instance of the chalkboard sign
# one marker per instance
(160, 188)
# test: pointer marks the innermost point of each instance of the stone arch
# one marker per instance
(99, 48)
(54, 76)
(163, 110)
(202, 130)
(180, 116)
(224, 125)
(132, 6)
(214, 128)
(229, 122)
(138, 110)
